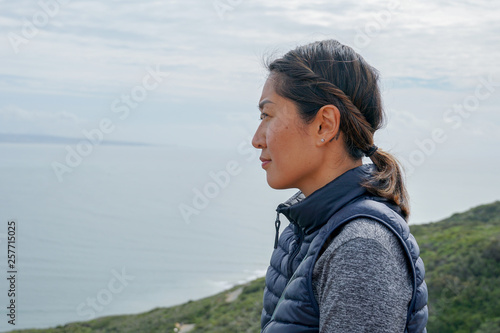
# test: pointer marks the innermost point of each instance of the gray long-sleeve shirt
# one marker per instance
(362, 282)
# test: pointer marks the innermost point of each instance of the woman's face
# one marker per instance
(289, 151)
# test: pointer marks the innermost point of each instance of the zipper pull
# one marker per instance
(277, 224)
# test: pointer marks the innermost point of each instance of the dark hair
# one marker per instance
(328, 72)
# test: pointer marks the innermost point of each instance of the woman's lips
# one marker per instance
(265, 162)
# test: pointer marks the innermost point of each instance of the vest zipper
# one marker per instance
(277, 224)
(295, 251)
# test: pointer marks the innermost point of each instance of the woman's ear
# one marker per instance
(327, 123)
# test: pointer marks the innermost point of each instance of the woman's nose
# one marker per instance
(259, 139)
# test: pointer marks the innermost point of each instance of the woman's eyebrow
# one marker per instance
(264, 102)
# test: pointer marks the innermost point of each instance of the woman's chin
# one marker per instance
(277, 184)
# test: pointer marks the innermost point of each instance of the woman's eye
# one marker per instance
(263, 115)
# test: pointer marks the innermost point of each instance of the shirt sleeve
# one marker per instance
(362, 282)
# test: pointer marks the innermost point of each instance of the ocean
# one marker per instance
(126, 229)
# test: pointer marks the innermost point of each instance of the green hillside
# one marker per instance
(462, 258)
(462, 261)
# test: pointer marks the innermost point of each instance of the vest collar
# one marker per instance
(311, 212)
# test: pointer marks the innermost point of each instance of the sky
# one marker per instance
(189, 73)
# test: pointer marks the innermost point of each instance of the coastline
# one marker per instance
(235, 297)
(221, 287)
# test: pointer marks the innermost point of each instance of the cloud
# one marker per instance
(91, 52)
(13, 112)
(90, 39)
(14, 119)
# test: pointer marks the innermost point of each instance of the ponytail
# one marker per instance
(387, 182)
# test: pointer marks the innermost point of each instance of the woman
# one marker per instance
(346, 262)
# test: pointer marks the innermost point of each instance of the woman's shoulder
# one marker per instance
(364, 229)
(360, 244)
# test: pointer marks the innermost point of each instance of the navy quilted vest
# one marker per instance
(289, 302)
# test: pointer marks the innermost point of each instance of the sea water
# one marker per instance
(129, 228)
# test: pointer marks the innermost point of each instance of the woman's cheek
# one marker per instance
(275, 131)
(270, 136)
